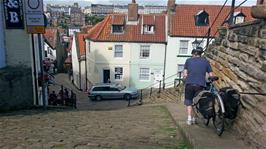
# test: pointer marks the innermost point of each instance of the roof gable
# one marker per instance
(132, 33)
(50, 37)
(183, 22)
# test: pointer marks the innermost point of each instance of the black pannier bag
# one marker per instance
(231, 100)
(204, 103)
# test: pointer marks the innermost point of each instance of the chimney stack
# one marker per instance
(133, 11)
(171, 6)
(258, 11)
(260, 2)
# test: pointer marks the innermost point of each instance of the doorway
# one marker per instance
(106, 76)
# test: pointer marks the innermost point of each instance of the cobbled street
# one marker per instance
(114, 127)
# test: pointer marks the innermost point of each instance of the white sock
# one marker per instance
(189, 117)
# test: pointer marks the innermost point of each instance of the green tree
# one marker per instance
(92, 20)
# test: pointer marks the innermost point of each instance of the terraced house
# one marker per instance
(139, 50)
(127, 49)
(188, 27)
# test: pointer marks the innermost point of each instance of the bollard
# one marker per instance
(150, 91)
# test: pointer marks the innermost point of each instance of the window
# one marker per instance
(202, 18)
(118, 51)
(144, 51)
(117, 28)
(239, 20)
(144, 74)
(239, 17)
(183, 49)
(114, 89)
(180, 67)
(104, 88)
(148, 29)
(118, 73)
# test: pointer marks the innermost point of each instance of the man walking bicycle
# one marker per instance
(194, 74)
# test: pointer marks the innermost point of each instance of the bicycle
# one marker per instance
(215, 106)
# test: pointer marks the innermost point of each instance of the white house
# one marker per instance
(128, 49)
(78, 55)
(189, 24)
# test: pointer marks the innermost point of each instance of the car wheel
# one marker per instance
(127, 97)
(98, 98)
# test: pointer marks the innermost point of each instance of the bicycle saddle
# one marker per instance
(214, 78)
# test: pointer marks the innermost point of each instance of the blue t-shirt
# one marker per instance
(197, 68)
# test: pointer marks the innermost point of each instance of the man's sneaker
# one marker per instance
(194, 120)
(189, 122)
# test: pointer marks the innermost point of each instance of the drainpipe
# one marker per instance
(164, 65)
(34, 71)
(86, 85)
(80, 75)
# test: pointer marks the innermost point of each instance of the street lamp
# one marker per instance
(195, 43)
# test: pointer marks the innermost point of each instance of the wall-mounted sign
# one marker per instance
(35, 16)
(13, 10)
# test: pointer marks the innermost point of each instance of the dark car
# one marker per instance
(112, 91)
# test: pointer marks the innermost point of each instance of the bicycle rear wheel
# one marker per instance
(218, 119)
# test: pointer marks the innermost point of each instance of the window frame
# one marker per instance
(148, 29)
(115, 31)
(182, 48)
(142, 51)
(119, 74)
(115, 51)
(140, 74)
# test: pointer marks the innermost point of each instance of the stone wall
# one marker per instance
(16, 88)
(238, 57)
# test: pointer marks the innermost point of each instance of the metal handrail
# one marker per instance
(150, 87)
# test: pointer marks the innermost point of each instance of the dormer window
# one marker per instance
(117, 28)
(239, 17)
(148, 29)
(202, 18)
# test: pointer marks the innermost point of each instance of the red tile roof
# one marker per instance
(148, 20)
(183, 23)
(50, 36)
(132, 33)
(118, 19)
(86, 28)
(81, 44)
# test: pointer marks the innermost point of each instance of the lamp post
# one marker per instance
(195, 43)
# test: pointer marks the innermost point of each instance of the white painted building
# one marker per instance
(79, 61)
(127, 49)
(185, 29)
(72, 30)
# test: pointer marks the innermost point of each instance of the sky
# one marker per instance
(153, 2)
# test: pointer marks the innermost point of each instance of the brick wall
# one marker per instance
(238, 57)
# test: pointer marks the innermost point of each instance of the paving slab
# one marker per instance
(200, 136)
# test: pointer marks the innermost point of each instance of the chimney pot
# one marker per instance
(261, 2)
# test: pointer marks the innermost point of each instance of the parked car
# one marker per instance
(112, 91)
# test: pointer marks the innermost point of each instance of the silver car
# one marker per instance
(112, 91)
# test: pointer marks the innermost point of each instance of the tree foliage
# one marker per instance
(92, 20)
